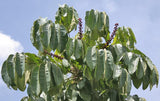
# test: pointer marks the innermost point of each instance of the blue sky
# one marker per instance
(17, 17)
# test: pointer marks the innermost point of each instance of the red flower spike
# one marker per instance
(112, 35)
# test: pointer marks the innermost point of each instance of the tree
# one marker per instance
(87, 67)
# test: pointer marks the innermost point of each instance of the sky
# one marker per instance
(17, 17)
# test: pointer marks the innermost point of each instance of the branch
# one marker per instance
(112, 35)
(54, 55)
(80, 29)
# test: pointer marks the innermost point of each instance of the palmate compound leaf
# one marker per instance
(14, 73)
(126, 37)
(96, 24)
(45, 35)
(68, 17)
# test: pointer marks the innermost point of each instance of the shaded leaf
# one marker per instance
(99, 70)
(123, 77)
(57, 74)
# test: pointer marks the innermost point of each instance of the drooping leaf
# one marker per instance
(149, 63)
(21, 82)
(62, 37)
(154, 77)
(70, 47)
(36, 33)
(146, 78)
(5, 75)
(116, 71)
(109, 63)
(91, 57)
(57, 74)
(136, 81)
(20, 64)
(140, 69)
(54, 38)
(68, 17)
(45, 77)
(12, 71)
(99, 70)
(45, 33)
(34, 83)
(120, 50)
(78, 48)
(132, 66)
(123, 77)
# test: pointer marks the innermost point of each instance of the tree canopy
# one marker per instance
(95, 65)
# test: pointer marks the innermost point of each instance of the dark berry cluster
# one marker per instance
(80, 29)
(54, 55)
(112, 35)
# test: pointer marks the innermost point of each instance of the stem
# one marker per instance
(80, 29)
(54, 55)
(112, 35)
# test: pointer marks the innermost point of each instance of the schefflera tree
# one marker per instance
(82, 68)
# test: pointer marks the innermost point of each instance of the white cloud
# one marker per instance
(8, 46)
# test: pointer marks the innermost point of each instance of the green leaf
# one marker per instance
(5, 75)
(45, 77)
(120, 50)
(45, 33)
(109, 63)
(116, 71)
(99, 70)
(128, 85)
(20, 64)
(62, 37)
(123, 77)
(34, 83)
(54, 38)
(67, 16)
(132, 66)
(146, 78)
(70, 47)
(136, 82)
(35, 33)
(78, 49)
(140, 70)
(91, 57)
(21, 82)
(57, 74)
(154, 77)
(149, 63)
(11, 71)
